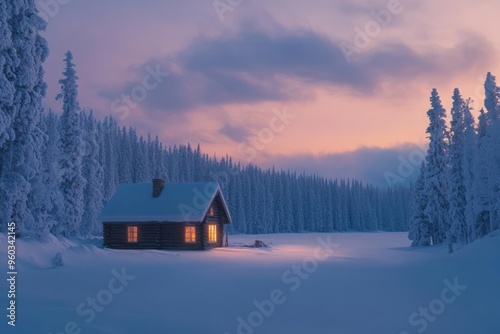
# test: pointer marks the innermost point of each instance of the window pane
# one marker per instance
(190, 234)
(132, 233)
(212, 233)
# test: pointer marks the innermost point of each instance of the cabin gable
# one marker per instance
(216, 216)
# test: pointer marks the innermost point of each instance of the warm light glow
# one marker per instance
(190, 234)
(212, 233)
(132, 233)
(211, 211)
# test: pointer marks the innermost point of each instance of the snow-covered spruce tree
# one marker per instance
(289, 217)
(6, 83)
(420, 231)
(149, 153)
(6, 102)
(456, 183)
(469, 154)
(492, 97)
(125, 158)
(436, 171)
(72, 151)
(109, 145)
(21, 93)
(491, 147)
(93, 174)
(101, 155)
(159, 163)
(481, 185)
(51, 170)
(134, 148)
(143, 160)
(39, 199)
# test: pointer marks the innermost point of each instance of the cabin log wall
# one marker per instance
(115, 236)
(173, 236)
(168, 235)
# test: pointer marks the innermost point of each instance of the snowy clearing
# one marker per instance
(304, 283)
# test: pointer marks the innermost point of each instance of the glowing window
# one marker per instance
(132, 233)
(190, 234)
(212, 233)
(211, 211)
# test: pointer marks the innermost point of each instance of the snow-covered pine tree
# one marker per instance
(436, 171)
(110, 140)
(481, 180)
(72, 151)
(125, 157)
(102, 154)
(456, 185)
(46, 201)
(39, 199)
(159, 167)
(93, 174)
(50, 168)
(6, 83)
(22, 52)
(470, 146)
(142, 161)
(6, 106)
(492, 97)
(289, 217)
(492, 149)
(420, 231)
(151, 158)
(134, 149)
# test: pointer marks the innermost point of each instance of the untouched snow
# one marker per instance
(371, 283)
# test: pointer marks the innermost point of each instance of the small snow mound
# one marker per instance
(57, 261)
(40, 254)
(258, 244)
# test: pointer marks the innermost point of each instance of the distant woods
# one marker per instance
(77, 182)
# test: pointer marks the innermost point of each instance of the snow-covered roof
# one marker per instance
(178, 202)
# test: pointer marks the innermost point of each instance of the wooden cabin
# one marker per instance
(161, 215)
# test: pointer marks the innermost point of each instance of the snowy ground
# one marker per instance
(363, 283)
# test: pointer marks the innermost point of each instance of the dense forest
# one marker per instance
(75, 184)
(457, 195)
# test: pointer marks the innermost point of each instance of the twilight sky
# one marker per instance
(337, 88)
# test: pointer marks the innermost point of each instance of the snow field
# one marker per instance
(304, 283)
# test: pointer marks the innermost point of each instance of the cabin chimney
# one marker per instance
(158, 185)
